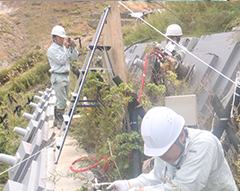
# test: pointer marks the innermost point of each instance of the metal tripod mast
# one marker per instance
(82, 79)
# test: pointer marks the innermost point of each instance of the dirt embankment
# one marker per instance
(25, 25)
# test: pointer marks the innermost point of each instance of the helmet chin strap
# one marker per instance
(176, 163)
(182, 146)
(54, 40)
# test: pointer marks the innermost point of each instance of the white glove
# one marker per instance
(119, 185)
(136, 188)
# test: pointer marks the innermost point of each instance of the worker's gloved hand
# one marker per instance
(119, 185)
(158, 46)
(136, 188)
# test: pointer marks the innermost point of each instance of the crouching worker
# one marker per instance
(185, 159)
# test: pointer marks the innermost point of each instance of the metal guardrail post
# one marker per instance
(30, 165)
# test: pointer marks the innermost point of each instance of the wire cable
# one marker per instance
(178, 45)
(12, 167)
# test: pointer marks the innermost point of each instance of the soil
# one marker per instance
(25, 25)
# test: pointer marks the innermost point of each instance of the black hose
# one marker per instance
(137, 43)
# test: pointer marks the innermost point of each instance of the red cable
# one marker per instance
(139, 96)
(145, 68)
(93, 166)
(143, 77)
(87, 168)
(163, 55)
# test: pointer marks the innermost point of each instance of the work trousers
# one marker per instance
(61, 86)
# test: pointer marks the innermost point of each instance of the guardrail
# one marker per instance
(32, 167)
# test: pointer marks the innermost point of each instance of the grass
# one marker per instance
(21, 66)
(24, 83)
(17, 92)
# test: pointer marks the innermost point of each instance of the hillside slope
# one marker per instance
(27, 24)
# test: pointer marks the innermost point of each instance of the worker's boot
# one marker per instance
(59, 115)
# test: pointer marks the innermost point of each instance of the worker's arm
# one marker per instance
(193, 174)
(73, 54)
(72, 49)
(57, 55)
(155, 177)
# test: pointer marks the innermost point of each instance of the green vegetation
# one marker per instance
(108, 125)
(106, 128)
(24, 74)
(195, 18)
(104, 121)
(19, 83)
(104, 124)
(21, 66)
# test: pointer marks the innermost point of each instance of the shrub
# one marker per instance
(97, 125)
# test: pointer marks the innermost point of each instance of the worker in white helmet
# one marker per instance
(174, 49)
(174, 55)
(174, 32)
(185, 159)
(59, 55)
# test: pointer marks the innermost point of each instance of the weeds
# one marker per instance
(20, 66)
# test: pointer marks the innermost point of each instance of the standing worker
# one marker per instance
(185, 159)
(59, 55)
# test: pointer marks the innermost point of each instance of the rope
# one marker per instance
(27, 158)
(179, 45)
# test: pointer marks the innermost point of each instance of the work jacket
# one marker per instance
(201, 166)
(59, 57)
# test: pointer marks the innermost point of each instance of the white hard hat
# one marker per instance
(174, 30)
(160, 128)
(59, 31)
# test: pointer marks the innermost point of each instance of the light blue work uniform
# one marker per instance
(201, 167)
(59, 58)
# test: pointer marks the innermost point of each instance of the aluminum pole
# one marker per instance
(81, 86)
